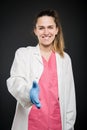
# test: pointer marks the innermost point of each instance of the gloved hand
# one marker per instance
(34, 94)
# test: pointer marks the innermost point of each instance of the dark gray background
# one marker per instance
(16, 31)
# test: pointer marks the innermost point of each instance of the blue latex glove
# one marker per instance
(34, 94)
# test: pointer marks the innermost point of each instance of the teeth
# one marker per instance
(45, 36)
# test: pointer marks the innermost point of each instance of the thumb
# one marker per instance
(37, 102)
(35, 85)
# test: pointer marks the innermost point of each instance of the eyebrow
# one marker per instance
(44, 26)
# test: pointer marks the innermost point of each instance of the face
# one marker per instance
(45, 30)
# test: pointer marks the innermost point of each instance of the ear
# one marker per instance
(57, 30)
(35, 31)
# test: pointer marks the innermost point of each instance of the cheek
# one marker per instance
(36, 32)
(53, 32)
(39, 33)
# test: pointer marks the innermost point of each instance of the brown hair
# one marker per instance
(58, 44)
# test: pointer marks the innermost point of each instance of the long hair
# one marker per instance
(58, 43)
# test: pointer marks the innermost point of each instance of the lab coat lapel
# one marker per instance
(61, 89)
(59, 71)
(37, 54)
(36, 63)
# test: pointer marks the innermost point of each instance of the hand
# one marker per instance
(34, 94)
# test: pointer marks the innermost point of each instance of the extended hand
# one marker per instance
(34, 94)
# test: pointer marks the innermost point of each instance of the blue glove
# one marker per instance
(34, 94)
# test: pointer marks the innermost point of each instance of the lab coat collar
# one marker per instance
(37, 53)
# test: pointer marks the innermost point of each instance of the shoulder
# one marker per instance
(67, 56)
(66, 60)
(25, 50)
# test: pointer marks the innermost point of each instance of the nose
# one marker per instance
(46, 32)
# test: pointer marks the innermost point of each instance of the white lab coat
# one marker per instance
(28, 66)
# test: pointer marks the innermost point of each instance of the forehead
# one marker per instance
(45, 20)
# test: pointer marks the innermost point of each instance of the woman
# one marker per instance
(41, 80)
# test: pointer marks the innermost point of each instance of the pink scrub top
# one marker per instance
(48, 116)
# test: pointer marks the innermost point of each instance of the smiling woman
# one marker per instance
(41, 80)
(46, 31)
(47, 25)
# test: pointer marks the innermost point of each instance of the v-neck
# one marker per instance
(47, 61)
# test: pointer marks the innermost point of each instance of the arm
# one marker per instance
(18, 83)
(70, 98)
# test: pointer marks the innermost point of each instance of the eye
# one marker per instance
(50, 27)
(40, 28)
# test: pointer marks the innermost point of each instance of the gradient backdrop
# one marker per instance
(16, 31)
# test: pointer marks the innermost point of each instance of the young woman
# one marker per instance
(41, 80)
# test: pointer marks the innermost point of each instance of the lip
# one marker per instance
(46, 37)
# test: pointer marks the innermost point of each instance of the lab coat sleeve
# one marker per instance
(18, 83)
(71, 98)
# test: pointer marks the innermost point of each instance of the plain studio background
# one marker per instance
(16, 31)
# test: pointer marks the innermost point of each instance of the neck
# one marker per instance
(45, 51)
(45, 48)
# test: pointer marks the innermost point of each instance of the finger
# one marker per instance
(34, 84)
(37, 104)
